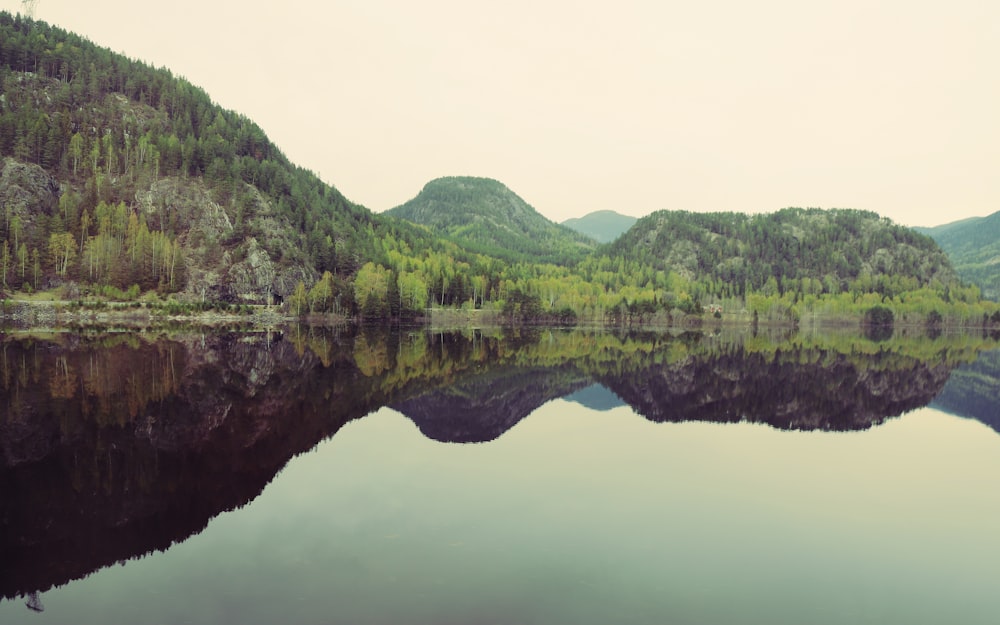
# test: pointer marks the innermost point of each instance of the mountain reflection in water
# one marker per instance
(114, 446)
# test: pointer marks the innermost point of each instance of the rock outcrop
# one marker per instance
(27, 193)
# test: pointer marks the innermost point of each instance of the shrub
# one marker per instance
(879, 316)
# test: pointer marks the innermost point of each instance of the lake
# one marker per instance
(534, 476)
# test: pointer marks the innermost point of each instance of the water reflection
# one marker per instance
(114, 446)
(973, 390)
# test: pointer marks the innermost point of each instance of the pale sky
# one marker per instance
(631, 105)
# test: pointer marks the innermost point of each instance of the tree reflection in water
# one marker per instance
(115, 446)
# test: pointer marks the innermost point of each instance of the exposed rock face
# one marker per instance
(219, 265)
(252, 277)
(232, 253)
(26, 192)
(186, 209)
(177, 205)
(27, 188)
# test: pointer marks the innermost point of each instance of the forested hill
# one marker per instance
(973, 245)
(116, 173)
(603, 226)
(792, 249)
(485, 216)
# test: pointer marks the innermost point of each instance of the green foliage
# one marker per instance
(973, 245)
(299, 301)
(521, 307)
(485, 217)
(799, 250)
(371, 291)
(114, 293)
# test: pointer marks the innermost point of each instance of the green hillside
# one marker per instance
(973, 245)
(134, 176)
(603, 226)
(485, 216)
(791, 249)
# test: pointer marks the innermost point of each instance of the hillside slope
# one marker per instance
(131, 175)
(973, 245)
(831, 247)
(486, 217)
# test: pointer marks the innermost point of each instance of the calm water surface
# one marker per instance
(577, 515)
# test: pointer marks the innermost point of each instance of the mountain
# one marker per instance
(602, 226)
(486, 217)
(973, 245)
(833, 247)
(130, 175)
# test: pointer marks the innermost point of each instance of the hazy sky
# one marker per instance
(634, 106)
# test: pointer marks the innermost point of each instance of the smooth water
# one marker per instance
(577, 515)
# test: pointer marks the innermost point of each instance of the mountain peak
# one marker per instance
(485, 216)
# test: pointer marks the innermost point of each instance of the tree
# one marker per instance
(16, 228)
(62, 251)
(76, 150)
(321, 293)
(412, 294)
(878, 323)
(299, 300)
(22, 258)
(5, 261)
(36, 267)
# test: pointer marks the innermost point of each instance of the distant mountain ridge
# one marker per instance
(603, 226)
(973, 245)
(484, 216)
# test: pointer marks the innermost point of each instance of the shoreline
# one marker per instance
(56, 315)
